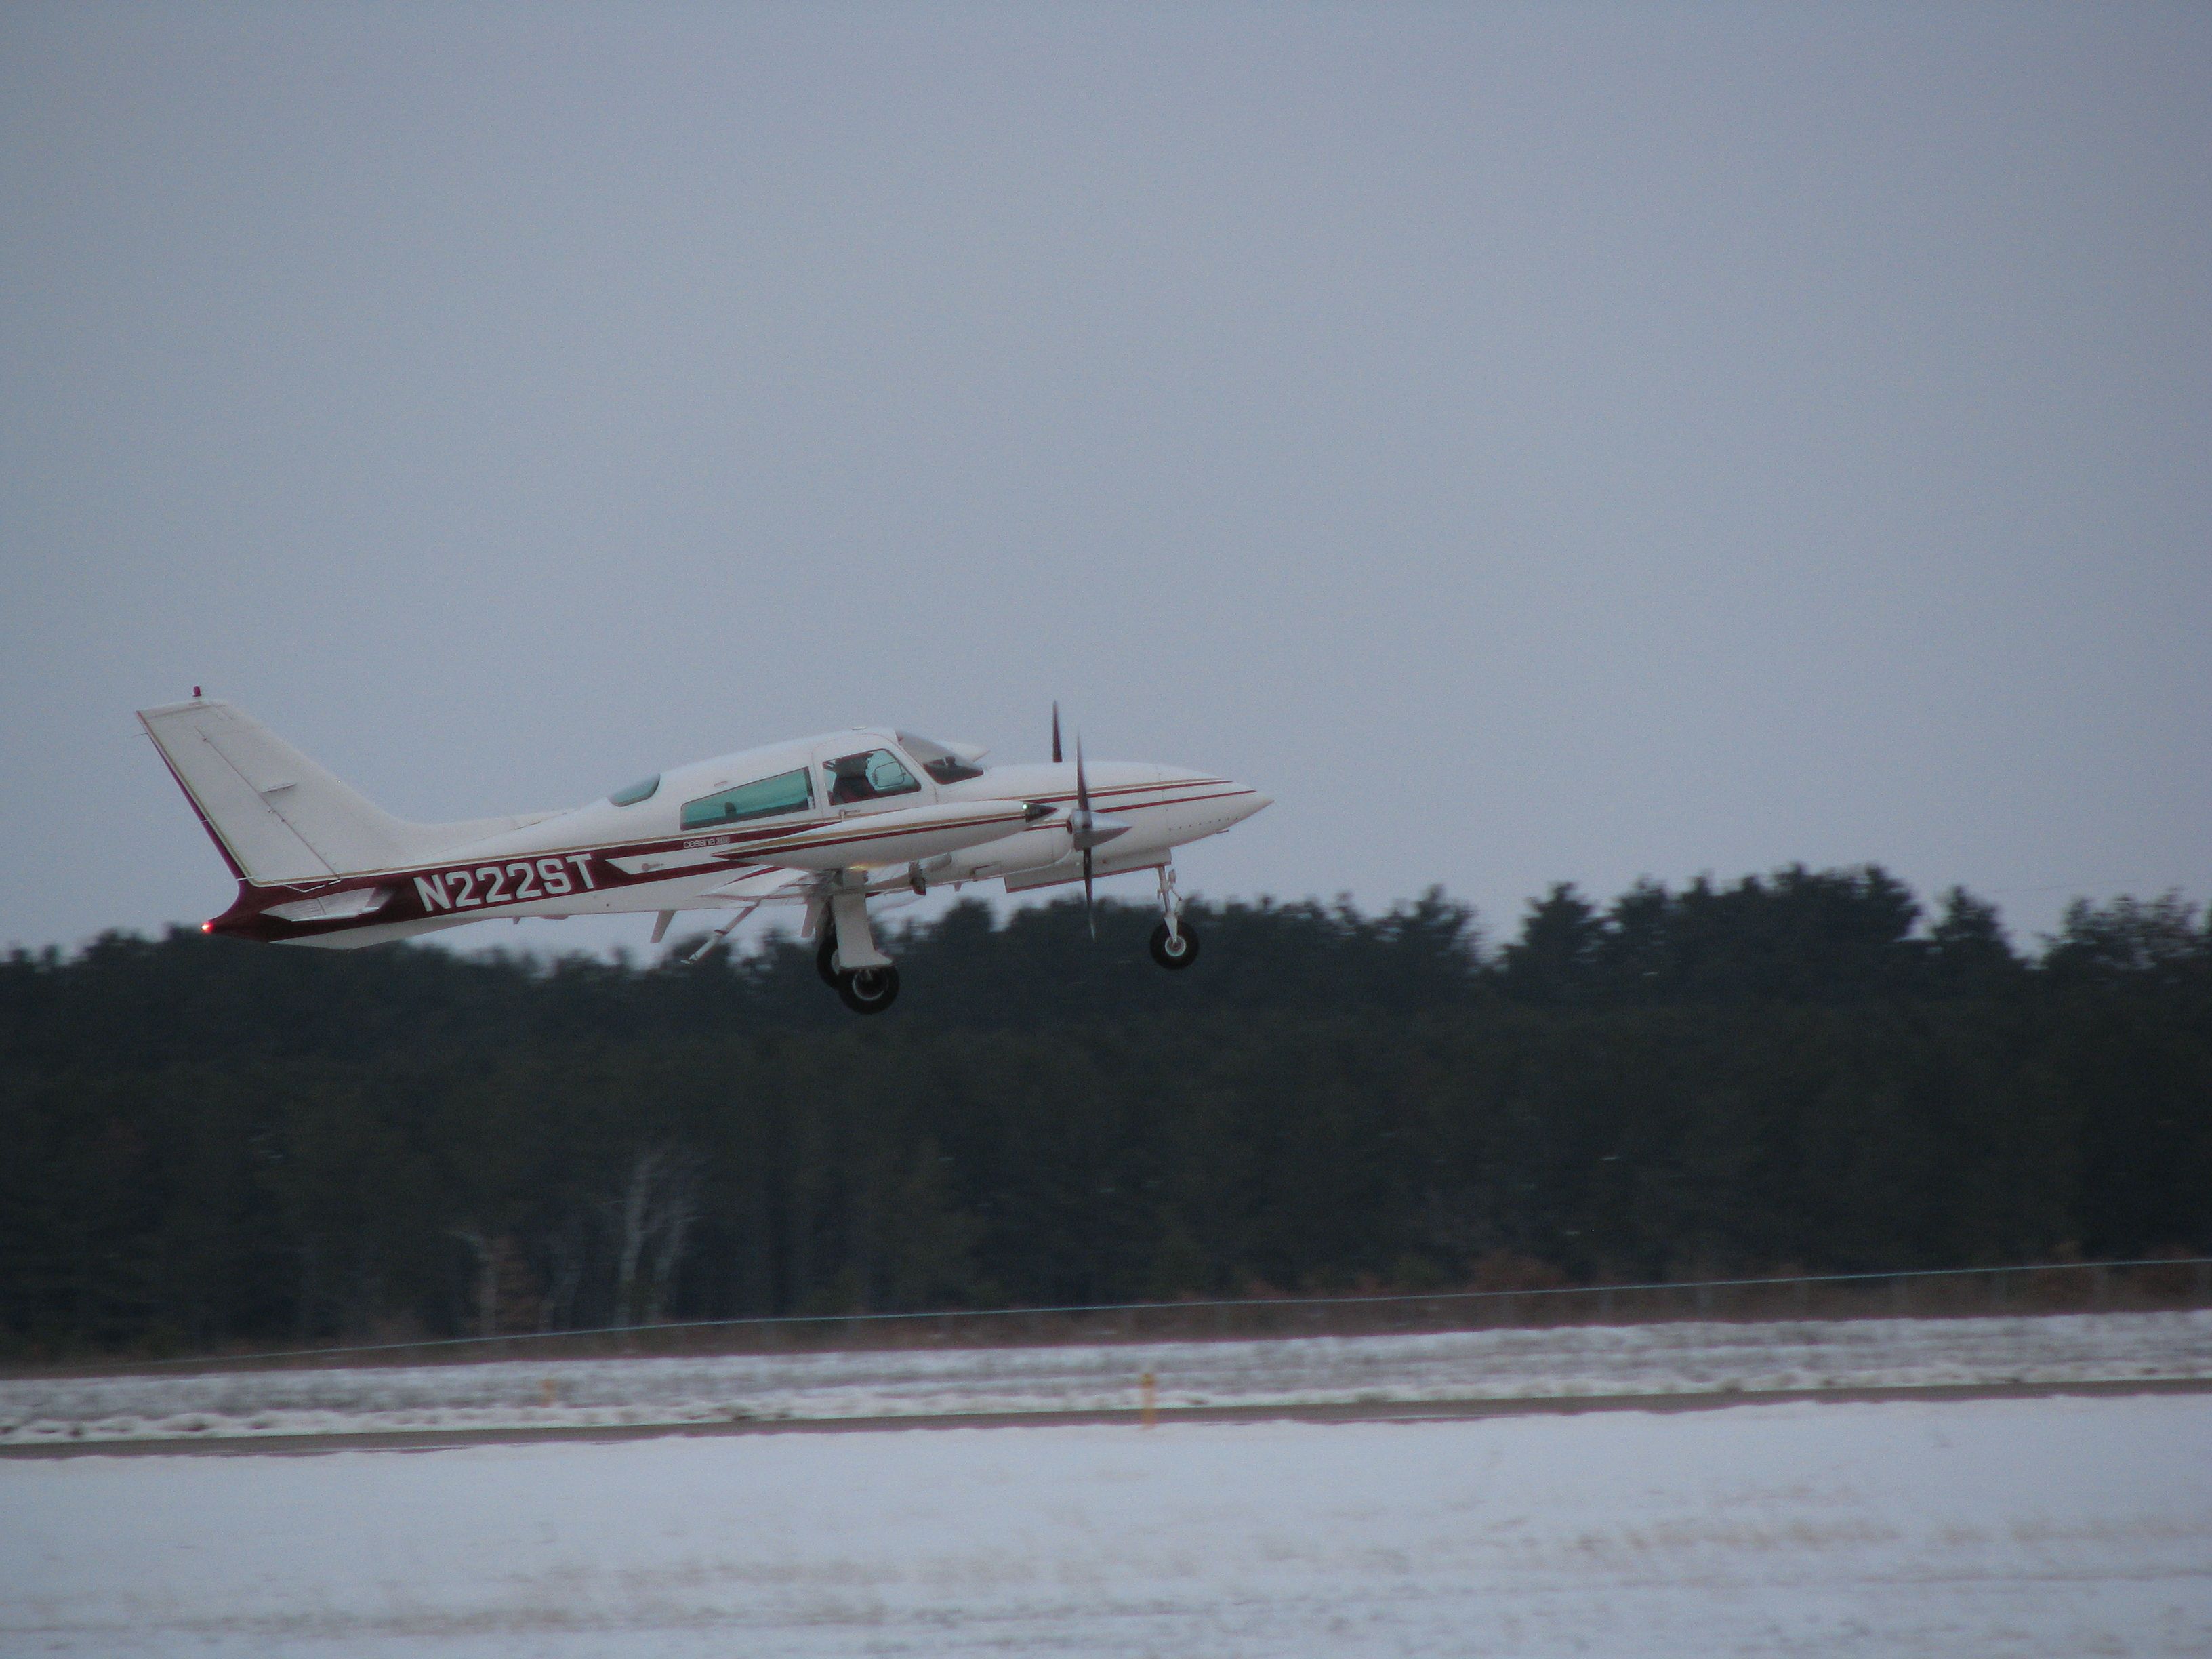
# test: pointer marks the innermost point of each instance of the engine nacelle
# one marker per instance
(1028, 849)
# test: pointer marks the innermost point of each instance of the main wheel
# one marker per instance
(1175, 951)
(869, 991)
(825, 959)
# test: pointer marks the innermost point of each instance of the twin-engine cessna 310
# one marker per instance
(823, 822)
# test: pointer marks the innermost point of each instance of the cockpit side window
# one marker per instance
(637, 792)
(869, 776)
(786, 791)
(940, 762)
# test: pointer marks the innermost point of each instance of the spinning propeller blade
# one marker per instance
(1083, 818)
(1055, 733)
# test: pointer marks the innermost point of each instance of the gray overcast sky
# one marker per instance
(1532, 443)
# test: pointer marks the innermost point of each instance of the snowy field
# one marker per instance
(2057, 1527)
(1565, 1363)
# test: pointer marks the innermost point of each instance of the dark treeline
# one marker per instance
(210, 1143)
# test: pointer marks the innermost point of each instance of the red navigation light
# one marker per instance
(207, 927)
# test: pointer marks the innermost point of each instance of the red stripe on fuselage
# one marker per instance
(246, 918)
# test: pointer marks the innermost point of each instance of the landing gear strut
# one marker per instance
(864, 978)
(1174, 944)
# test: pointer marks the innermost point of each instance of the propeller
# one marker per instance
(1083, 823)
(1085, 826)
(1088, 829)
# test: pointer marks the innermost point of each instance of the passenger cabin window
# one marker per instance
(636, 792)
(940, 762)
(867, 777)
(785, 792)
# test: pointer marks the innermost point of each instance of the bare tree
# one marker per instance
(486, 1255)
(564, 1250)
(652, 1220)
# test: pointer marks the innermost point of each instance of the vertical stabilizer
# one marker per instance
(277, 815)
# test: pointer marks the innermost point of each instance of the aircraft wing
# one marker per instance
(748, 893)
(802, 865)
(758, 887)
(877, 840)
(761, 887)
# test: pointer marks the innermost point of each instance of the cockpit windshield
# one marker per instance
(941, 762)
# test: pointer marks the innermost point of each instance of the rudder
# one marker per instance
(275, 815)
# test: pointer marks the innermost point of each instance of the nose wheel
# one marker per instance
(1177, 950)
(1175, 942)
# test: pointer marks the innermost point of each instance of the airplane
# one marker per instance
(823, 822)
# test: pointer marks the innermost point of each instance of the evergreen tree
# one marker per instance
(1556, 957)
(213, 1143)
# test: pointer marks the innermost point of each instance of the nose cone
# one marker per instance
(1253, 802)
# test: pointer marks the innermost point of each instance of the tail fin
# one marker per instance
(277, 817)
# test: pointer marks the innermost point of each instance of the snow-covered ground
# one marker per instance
(1572, 1362)
(2016, 1527)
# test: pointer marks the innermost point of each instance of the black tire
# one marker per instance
(1164, 951)
(870, 991)
(825, 959)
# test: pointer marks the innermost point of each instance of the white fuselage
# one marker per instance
(733, 832)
